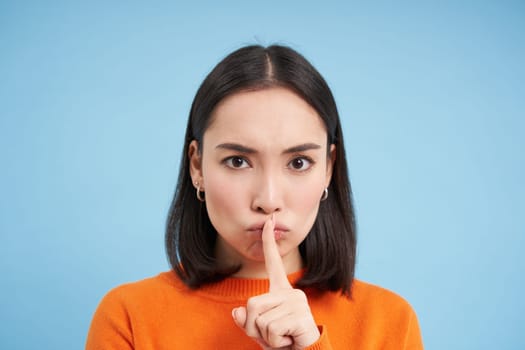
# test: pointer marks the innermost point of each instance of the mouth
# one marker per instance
(279, 230)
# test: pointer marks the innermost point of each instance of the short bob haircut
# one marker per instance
(329, 249)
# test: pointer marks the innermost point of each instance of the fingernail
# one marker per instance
(234, 313)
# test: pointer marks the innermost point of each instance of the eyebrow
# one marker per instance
(247, 150)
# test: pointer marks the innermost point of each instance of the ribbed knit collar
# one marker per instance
(233, 288)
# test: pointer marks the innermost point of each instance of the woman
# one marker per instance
(261, 233)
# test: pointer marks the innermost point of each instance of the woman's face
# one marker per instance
(263, 153)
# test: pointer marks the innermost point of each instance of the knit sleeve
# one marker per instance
(413, 340)
(322, 343)
(110, 328)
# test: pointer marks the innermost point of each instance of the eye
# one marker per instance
(300, 164)
(236, 162)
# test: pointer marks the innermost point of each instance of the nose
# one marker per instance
(267, 194)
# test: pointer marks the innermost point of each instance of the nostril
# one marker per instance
(262, 210)
(267, 211)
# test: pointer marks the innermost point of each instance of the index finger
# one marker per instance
(272, 258)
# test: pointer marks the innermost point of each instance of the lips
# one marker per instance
(279, 230)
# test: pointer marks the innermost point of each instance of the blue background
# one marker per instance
(93, 103)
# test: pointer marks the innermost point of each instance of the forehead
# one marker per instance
(274, 116)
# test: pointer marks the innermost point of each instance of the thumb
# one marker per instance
(239, 316)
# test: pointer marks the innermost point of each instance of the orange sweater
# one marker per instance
(161, 313)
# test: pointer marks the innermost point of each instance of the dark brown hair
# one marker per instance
(329, 250)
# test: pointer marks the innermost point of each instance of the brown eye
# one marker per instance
(236, 162)
(300, 164)
(297, 163)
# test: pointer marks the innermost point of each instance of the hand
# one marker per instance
(280, 318)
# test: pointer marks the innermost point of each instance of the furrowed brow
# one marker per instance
(302, 148)
(236, 147)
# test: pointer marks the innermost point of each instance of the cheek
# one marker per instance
(305, 204)
(306, 196)
(223, 200)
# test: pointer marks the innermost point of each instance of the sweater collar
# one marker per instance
(235, 288)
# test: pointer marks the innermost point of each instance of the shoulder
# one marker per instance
(125, 303)
(142, 291)
(387, 311)
(371, 315)
(373, 298)
(366, 292)
(368, 303)
(130, 304)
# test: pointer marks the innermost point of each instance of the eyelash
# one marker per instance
(309, 160)
(228, 162)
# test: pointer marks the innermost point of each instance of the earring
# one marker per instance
(199, 195)
(325, 194)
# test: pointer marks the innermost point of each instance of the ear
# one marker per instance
(195, 158)
(330, 164)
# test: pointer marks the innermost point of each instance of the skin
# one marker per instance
(263, 166)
